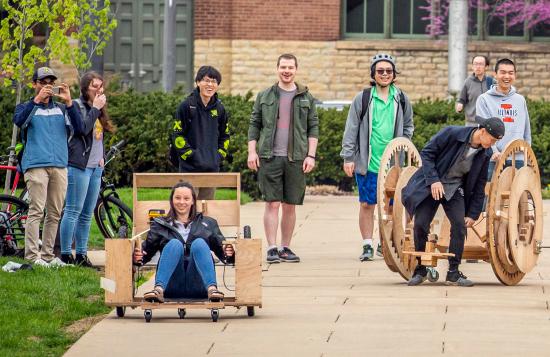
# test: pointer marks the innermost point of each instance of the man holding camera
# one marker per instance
(46, 128)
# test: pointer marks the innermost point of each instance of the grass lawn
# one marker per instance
(96, 240)
(44, 311)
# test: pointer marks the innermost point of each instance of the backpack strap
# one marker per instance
(402, 100)
(23, 131)
(364, 103)
(81, 106)
(192, 107)
(489, 81)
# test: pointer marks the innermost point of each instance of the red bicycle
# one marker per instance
(13, 212)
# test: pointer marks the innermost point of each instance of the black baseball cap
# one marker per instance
(493, 125)
(43, 72)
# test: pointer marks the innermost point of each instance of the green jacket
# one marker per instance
(303, 121)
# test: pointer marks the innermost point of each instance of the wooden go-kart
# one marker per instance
(508, 234)
(120, 274)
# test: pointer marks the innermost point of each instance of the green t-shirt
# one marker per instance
(383, 121)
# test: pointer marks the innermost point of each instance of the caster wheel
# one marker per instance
(181, 313)
(120, 311)
(215, 314)
(247, 232)
(433, 275)
(148, 314)
(250, 311)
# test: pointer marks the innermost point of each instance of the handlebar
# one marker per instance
(115, 149)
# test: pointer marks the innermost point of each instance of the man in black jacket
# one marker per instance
(201, 134)
(453, 173)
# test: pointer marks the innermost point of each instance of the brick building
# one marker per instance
(334, 40)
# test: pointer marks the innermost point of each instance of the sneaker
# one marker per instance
(57, 263)
(368, 253)
(456, 278)
(273, 256)
(419, 276)
(11, 267)
(379, 250)
(83, 261)
(41, 263)
(67, 258)
(288, 256)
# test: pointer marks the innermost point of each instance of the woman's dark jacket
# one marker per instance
(438, 156)
(81, 145)
(202, 227)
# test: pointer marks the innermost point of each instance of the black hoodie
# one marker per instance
(205, 134)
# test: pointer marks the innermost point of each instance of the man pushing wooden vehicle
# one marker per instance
(451, 171)
(184, 231)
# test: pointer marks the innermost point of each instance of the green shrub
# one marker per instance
(145, 120)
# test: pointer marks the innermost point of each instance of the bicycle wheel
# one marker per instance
(13, 215)
(113, 217)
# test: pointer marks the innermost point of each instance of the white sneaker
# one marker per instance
(42, 263)
(11, 267)
(58, 263)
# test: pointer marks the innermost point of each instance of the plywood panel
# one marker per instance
(248, 271)
(118, 268)
(197, 180)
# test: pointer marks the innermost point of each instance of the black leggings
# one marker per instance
(454, 209)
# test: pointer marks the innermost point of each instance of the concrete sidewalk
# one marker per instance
(331, 304)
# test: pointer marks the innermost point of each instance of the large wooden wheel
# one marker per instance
(398, 163)
(514, 214)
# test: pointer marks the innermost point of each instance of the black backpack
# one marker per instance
(365, 102)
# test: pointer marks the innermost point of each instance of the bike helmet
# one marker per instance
(379, 57)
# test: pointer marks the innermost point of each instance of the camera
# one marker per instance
(56, 90)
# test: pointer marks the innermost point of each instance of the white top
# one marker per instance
(183, 231)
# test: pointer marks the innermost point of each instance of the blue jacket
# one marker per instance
(438, 156)
(46, 130)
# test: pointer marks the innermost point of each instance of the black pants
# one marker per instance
(454, 209)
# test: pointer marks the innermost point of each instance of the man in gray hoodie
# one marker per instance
(502, 101)
(376, 116)
(475, 85)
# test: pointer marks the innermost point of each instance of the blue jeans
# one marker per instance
(186, 277)
(82, 191)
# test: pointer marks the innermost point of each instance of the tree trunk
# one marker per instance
(14, 133)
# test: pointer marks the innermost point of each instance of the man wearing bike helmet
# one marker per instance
(376, 116)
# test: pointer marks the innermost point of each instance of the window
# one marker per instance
(498, 26)
(365, 16)
(410, 18)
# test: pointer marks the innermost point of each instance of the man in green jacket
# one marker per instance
(282, 140)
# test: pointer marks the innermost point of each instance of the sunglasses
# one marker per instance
(382, 71)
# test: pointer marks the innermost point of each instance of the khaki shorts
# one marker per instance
(281, 180)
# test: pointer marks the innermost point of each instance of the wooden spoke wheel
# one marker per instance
(514, 212)
(398, 163)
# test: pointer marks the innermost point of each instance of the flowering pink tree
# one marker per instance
(516, 11)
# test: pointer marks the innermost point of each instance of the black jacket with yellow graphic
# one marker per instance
(201, 134)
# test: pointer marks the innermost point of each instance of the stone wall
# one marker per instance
(340, 69)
